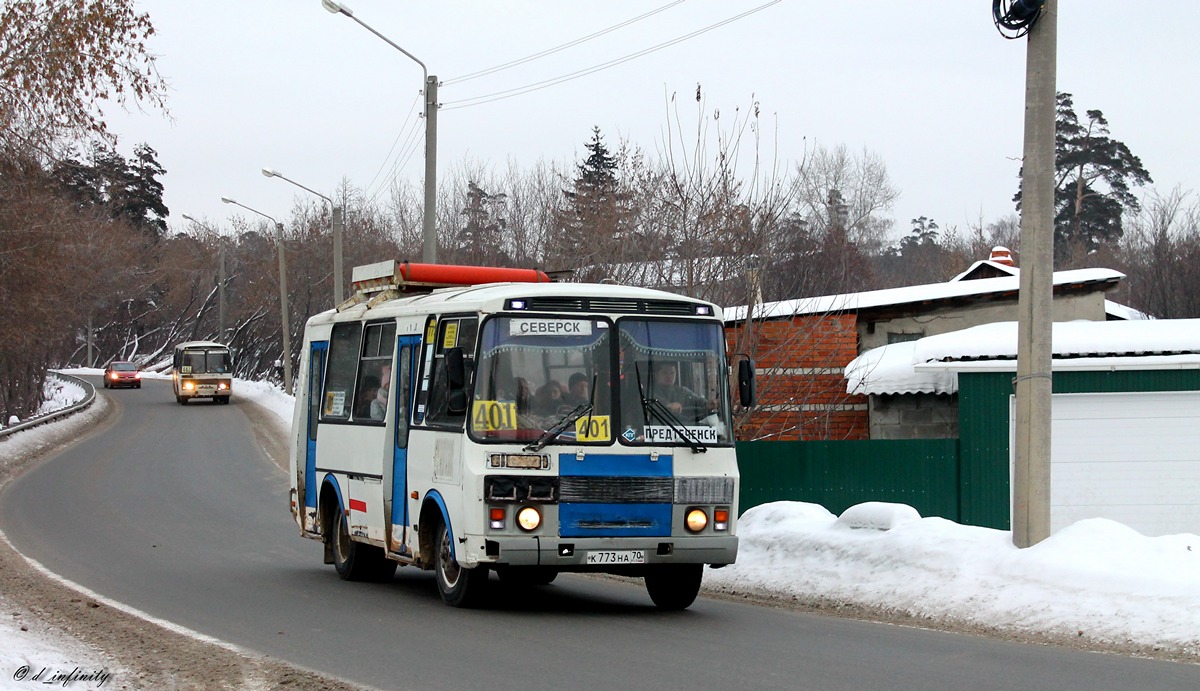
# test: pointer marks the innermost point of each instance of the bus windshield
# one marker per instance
(540, 375)
(205, 362)
(673, 383)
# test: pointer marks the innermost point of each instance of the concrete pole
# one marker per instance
(337, 255)
(1033, 385)
(283, 317)
(429, 234)
(221, 289)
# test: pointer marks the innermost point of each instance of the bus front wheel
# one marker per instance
(674, 586)
(458, 587)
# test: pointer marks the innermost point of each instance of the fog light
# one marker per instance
(496, 516)
(529, 518)
(720, 519)
(696, 520)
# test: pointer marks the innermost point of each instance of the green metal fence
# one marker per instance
(923, 473)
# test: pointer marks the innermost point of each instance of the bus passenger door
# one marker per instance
(406, 350)
(316, 381)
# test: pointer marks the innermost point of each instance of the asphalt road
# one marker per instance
(176, 511)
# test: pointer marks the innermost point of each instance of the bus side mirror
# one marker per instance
(456, 381)
(746, 390)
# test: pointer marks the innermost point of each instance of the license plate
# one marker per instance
(622, 556)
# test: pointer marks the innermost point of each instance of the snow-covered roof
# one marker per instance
(850, 302)
(931, 364)
(1002, 268)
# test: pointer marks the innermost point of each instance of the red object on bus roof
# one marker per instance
(451, 274)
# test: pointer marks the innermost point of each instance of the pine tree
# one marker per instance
(481, 240)
(596, 215)
(1093, 174)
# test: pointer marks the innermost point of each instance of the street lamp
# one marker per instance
(429, 233)
(220, 280)
(283, 304)
(336, 213)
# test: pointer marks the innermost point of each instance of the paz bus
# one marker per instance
(434, 428)
(202, 369)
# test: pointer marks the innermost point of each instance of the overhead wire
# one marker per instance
(408, 123)
(537, 86)
(555, 49)
(406, 153)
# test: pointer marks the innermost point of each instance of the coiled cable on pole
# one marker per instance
(1014, 18)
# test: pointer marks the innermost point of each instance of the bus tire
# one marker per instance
(458, 587)
(181, 400)
(673, 587)
(355, 561)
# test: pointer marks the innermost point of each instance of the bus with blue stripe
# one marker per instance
(476, 421)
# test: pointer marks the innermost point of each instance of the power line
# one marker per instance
(536, 86)
(406, 153)
(408, 124)
(550, 51)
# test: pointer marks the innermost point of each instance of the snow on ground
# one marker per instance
(1096, 579)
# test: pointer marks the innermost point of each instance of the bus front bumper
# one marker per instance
(601, 554)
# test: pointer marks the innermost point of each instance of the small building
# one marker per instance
(1125, 428)
(802, 346)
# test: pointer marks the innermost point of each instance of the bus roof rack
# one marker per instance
(382, 281)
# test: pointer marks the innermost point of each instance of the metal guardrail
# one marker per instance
(89, 395)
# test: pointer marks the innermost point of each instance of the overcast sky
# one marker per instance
(930, 87)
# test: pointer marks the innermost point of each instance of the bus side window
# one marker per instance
(337, 398)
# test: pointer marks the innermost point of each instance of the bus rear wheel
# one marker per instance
(458, 587)
(674, 587)
(355, 561)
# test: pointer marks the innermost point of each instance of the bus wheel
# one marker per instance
(355, 561)
(674, 586)
(458, 587)
(181, 400)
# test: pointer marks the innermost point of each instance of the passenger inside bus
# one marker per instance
(379, 405)
(366, 396)
(577, 390)
(549, 398)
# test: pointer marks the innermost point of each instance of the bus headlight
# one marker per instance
(188, 386)
(696, 520)
(529, 518)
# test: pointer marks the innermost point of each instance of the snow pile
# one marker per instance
(1096, 578)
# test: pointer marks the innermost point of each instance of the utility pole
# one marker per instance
(283, 310)
(221, 289)
(1033, 385)
(429, 230)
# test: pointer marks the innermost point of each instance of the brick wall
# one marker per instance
(801, 390)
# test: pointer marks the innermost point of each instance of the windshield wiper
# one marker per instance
(558, 427)
(663, 413)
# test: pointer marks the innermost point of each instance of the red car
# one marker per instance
(122, 374)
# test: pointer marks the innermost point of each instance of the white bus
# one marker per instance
(202, 369)
(526, 428)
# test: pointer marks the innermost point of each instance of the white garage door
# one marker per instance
(1130, 457)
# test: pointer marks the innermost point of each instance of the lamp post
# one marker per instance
(429, 230)
(220, 281)
(336, 220)
(283, 304)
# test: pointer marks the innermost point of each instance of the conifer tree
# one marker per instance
(1093, 175)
